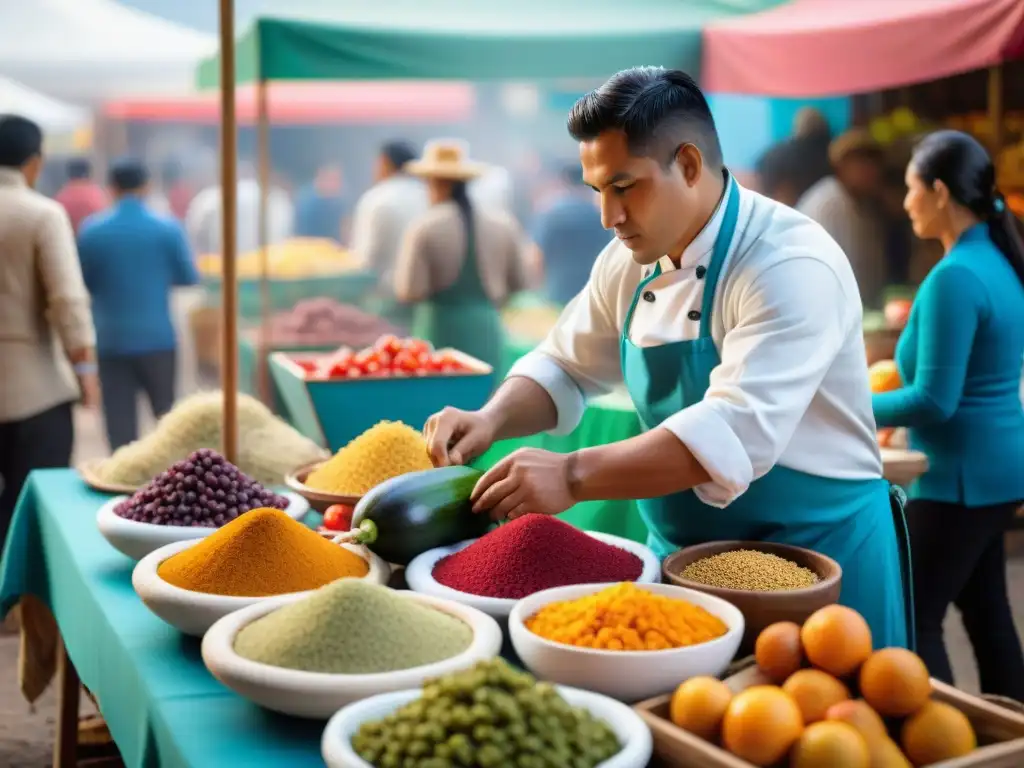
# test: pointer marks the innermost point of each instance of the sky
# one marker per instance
(202, 14)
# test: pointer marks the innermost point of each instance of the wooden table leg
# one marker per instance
(65, 743)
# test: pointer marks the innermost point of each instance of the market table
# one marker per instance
(161, 705)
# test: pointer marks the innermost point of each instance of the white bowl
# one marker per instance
(195, 612)
(419, 574)
(631, 730)
(319, 695)
(136, 540)
(624, 675)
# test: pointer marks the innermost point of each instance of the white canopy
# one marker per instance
(53, 116)
(91, 50)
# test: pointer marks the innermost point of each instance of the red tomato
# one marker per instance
(406, 362)
(373, 368)
(338, 517)
(338, 370)
(353, 372)
(417, 347)
(363, 358)
(393, 345)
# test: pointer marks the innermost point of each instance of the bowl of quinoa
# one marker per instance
(768, 582)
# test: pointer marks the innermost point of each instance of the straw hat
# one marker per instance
(854, 141)
(446, 159)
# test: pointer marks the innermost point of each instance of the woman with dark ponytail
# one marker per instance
(458, 264)
(960, 359)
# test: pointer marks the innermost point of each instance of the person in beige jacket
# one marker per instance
(47, 337)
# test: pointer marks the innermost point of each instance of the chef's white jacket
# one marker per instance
(792, 386)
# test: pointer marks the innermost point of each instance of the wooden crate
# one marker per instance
(1000, 731)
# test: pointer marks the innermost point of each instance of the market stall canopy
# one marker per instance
(53, 116)
(313, 103)
(88, 50)
(473, 39)
(809, 48)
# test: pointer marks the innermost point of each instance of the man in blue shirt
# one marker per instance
(322, 207)
(568, 236)
(131, 259)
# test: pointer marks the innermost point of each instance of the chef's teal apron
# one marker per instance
(462, 316)
(851, 521)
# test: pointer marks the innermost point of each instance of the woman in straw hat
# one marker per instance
(458, 264)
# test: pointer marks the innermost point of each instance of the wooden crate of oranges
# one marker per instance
(818, 696)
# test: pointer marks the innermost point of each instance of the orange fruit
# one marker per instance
(887, 754)
(761, 724)
(937, 732)
(778, 651)
(836, 639)
(814, 692)
(861, 716)
(895, 682)
(830, 745)
(883, 750)
(884, 376)
(698, 706)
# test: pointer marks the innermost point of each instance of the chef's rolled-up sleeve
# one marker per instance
(791, 320)
(579, 359)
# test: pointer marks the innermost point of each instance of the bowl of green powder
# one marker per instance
(310, 655)
(489, 715)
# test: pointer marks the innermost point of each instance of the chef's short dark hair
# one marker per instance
(128, 175)
(20, 141)
(658, 109)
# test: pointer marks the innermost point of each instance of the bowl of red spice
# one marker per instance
(261, 555)
(524, 556)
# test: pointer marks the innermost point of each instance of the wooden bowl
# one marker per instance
(763, 608)
(318, 500)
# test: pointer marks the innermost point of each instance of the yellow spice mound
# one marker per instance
(385, 450)
(626, 617)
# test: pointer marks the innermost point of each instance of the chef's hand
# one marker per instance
(457, 437)
(528, 480)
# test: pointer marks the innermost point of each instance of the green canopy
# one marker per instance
(473, 39)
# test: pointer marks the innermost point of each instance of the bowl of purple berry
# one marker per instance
(188, 501)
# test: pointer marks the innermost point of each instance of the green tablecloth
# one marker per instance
(606, 420)
(162, 707)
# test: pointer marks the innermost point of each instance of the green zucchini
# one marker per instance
(409, 514)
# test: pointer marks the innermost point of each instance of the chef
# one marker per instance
(735, 324)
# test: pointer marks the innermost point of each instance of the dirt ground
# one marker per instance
(26, 736)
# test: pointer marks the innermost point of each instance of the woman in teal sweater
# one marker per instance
(960, 359)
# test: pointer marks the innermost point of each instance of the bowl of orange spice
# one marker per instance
(628, 641)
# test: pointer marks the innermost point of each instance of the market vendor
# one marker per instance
(735, 324)
(961, 400)
(458, 263)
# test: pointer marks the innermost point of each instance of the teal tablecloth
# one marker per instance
(163, 708)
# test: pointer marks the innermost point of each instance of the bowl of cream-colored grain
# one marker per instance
(761, 607)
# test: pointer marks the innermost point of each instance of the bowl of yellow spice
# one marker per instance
(629, 641)
(263, 554)
(768, 582)
(386, 450)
